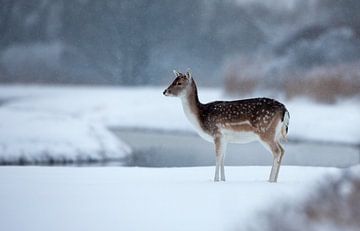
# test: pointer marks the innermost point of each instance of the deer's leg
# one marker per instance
(282, 152)
(216, 177)
(220, 147)
(279, 159)
(277, 152)
(222, 161)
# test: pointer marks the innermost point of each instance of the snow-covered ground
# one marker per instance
(123, 198)
(43, 122)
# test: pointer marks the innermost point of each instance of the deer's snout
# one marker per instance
(166, 92)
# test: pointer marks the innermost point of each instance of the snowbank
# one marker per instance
(121, 198)
(42, 125)
(71, 122)
(332, 205)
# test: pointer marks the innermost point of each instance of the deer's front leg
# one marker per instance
(220, 149)
(222, 161)
(216, 177)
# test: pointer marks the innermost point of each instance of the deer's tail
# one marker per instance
(285, 124)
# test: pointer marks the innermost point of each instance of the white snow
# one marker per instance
(122, 198)
(38, 122)
(320, 122)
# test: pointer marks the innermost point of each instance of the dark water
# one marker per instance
(161, 149)
(153, 148)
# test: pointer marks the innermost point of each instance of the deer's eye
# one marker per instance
(178, 83)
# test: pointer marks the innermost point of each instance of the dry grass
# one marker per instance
(324, 84)
(333, 205)
(241, 76)
(239, 84)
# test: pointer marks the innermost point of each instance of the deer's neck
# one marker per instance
(190, 101)
(192, 107)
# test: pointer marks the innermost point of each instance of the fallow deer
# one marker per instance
(241, 121)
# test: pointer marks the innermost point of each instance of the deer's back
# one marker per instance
(249, 114)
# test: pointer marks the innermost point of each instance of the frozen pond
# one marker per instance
(174, 149)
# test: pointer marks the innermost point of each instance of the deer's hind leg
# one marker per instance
(277, 151)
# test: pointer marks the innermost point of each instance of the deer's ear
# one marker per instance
(176, 73)
(188, 74)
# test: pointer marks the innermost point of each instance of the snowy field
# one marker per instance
(44, 123)
(123, 198)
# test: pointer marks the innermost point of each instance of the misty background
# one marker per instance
(56, 56)
(291, 46)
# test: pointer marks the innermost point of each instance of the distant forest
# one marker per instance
(139, 42)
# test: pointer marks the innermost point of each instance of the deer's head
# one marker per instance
(180, 85)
